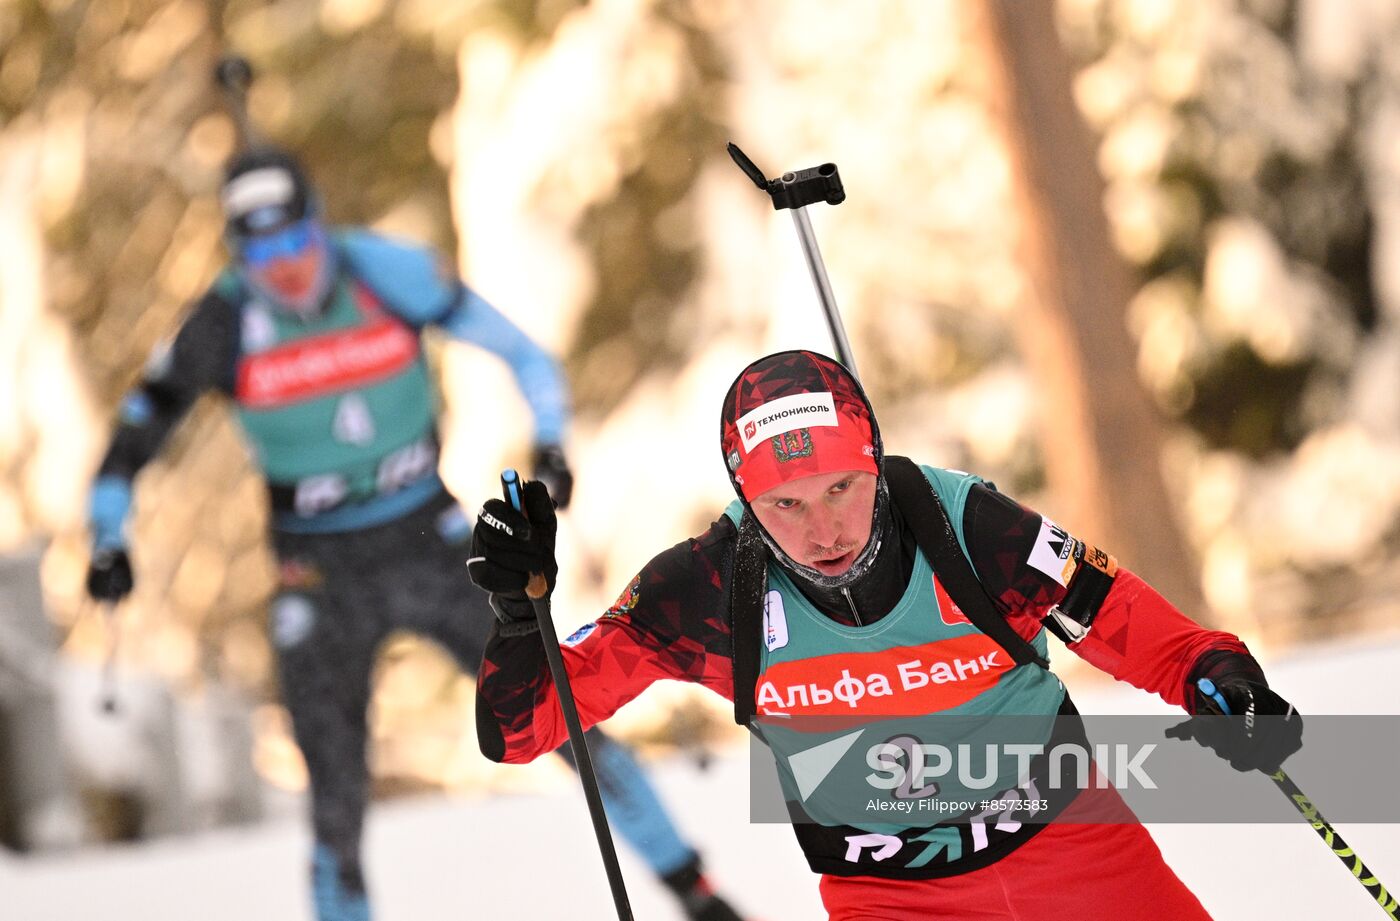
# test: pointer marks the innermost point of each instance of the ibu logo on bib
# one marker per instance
(775, 628)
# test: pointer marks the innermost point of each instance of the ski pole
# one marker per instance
(234, 75)
(537, 590)
(794, 191)
(108, 694)
(1349, 858)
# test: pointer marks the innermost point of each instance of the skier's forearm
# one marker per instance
(201, 357)
(108, 507)
(513, 672)
(1141, 638)
(516, 693)
(146, 420)
(667, 624)
(147, 417)
(519, 720)
(537, 374)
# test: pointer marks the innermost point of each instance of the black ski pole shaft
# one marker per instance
(794, 191)
(537, 591)
(1349, 858)
(234, 75)
(107, 700)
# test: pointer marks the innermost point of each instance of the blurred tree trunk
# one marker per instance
(1101, 433)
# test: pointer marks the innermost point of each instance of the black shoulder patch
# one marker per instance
(720, 530)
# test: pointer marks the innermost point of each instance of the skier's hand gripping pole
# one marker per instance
(1214, 704)
(537, 589)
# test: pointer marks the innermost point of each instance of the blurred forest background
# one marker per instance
(1134, 260)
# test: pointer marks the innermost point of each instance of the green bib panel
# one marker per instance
(827, 693)
(338, 407)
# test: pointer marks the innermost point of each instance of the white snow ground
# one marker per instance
(437, 858)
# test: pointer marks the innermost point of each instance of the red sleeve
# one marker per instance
(668, 624)
(1141, 638)
(1136, 636)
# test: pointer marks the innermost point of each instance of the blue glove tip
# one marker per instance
(510, 483)
(1208, 688)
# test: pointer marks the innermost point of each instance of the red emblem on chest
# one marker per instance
(952, 614)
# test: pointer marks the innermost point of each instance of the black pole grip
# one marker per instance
(234, 73)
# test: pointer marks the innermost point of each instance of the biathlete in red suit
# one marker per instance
(847, 591)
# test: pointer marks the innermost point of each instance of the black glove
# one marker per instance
(553, 471)
(1262, 729)
(508, 547)
(109, 575)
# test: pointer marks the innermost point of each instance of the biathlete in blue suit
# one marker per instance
(313, 335)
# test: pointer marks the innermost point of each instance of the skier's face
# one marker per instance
(822, 521)
(288, 263)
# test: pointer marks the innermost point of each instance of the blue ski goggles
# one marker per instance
(285, 243)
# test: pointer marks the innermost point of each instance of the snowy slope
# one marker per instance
(436, 858)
